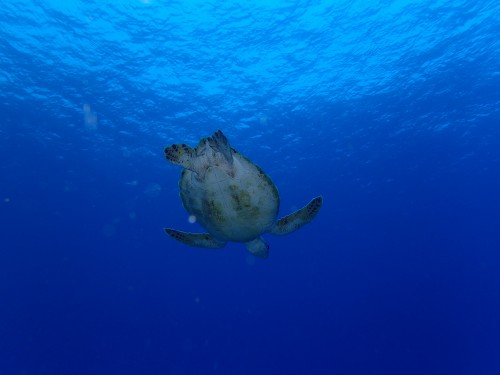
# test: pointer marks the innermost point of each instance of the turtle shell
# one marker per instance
(234, 202)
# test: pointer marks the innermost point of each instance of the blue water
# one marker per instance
(388, 109)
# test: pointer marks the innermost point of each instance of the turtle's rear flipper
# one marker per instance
(180, 155)
(195, 239)
(258, 247)
(220, 142)
(295, 220)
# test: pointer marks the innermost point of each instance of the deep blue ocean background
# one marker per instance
(389, 109)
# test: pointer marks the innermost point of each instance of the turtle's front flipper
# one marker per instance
(195, 239)
(258, 247)
(295, 220)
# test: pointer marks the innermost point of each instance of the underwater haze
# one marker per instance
(390, 110)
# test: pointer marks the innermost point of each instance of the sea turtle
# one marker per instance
(232, 198)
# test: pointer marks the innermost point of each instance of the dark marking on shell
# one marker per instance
(212, 210)
(241, 199)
